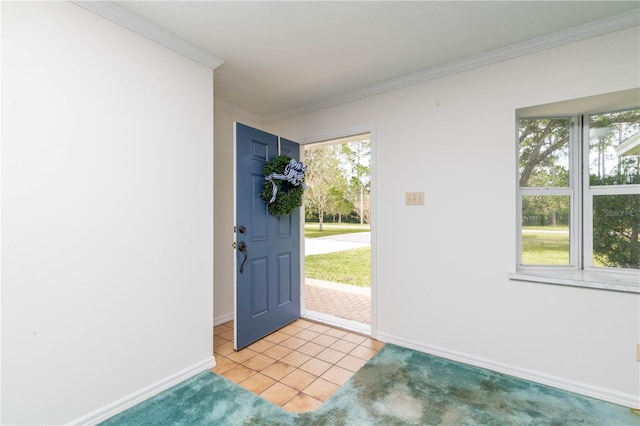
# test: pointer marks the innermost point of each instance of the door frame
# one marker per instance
(326, 137)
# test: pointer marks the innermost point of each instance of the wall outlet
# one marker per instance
(414, 198)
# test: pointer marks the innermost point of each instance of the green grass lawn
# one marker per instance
(544, 247)
(346, 267)
(354, 266)
(311, 229)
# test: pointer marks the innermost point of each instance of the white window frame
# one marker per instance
(588, 193)
(580, 271)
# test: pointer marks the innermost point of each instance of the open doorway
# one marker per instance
(338, 279)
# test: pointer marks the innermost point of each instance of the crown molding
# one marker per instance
(570, 35)
(151, 31)
(143, 27)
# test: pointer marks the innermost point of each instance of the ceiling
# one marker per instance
(283, 57)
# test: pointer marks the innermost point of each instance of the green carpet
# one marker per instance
(397, 387)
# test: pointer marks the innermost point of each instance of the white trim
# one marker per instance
(571, 35)
(301, 249)
(350, 325)
(373, 222)
(625, 281)
(610, 395)
(137, 397)
(336, 135)
(151, 31)
(143, 27)
(235, 235)
(1, 186)
(223, 319)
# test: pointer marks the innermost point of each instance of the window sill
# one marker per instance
(613, 281)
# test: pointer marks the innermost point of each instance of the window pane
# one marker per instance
(545, 230)
(614, 148)
(544, 152)
(616, 224)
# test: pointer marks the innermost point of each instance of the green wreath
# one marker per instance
(288, 195)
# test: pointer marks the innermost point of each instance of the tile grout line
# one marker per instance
(353, 343)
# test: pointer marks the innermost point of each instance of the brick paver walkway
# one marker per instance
(340, 300)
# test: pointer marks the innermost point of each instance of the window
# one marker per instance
(579, 199)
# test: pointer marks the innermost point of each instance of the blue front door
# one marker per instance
(267, 288)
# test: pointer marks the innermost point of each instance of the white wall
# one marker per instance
(442, 267)
(107, 213)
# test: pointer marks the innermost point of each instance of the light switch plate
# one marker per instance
(414, 198)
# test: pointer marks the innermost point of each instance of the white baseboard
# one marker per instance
(222, 319)
(609, 395)
(129, 401)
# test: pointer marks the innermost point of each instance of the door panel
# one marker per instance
(267, 290)
(284, 280)
(259, 218)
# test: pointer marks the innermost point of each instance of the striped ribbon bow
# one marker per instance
(293, 173)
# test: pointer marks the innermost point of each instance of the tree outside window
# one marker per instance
(339, 180)
(577, 217)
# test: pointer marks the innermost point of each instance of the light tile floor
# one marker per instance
(297, 367)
